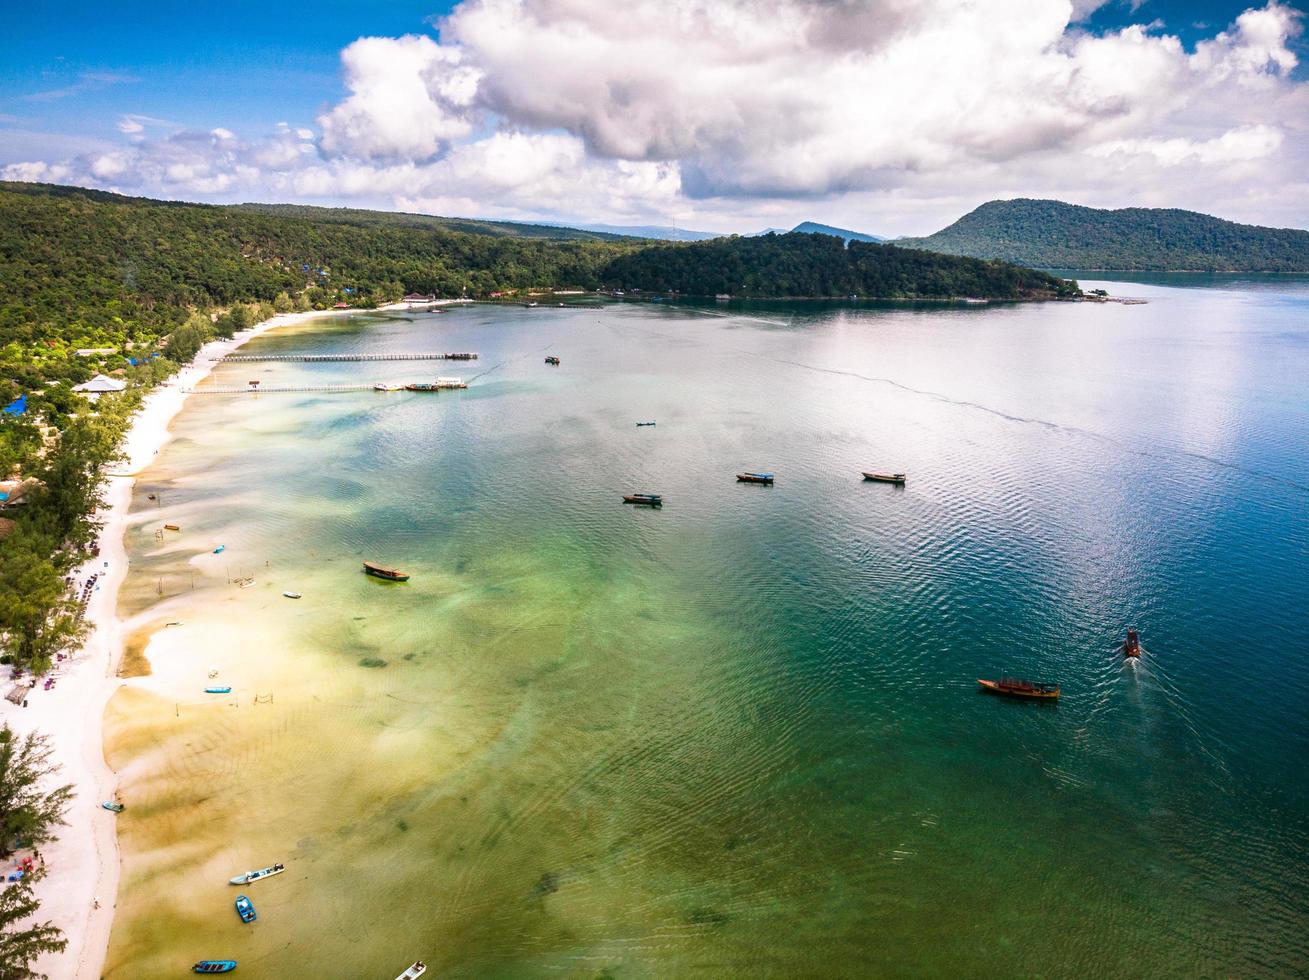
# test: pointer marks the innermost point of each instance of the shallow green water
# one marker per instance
(739, 735)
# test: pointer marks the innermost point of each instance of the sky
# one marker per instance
(892, 117)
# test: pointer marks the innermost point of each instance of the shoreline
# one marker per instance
(79, 893)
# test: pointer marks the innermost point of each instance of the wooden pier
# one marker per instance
(263, 390)
(350, 357)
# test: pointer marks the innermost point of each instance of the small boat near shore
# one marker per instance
(552, 360)
(245, 909)
(220, 549)
(639, 424)
(249, 876)
(764, 478)
(416, 970)
(646, 499)
(381, 571)
(292, 595)
(1132, 645)
(384, 387)
(112, 806)
(171, 527)
(214, 966)
(1016, 688)
(895, 478)
(218, 690)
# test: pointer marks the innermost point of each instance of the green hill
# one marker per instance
(819, 265)
(1054, 235)
(399, 219)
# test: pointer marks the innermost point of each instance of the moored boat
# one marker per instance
(896, 478)
(451, 383)
(552, 360)
(423, 386)
(417, 969)
(390, 574)
(639, 424)
(755, 478)
(385, 387)
(1132, 645)
(291, 595)
(112, 806)
(649, 499)
(218, 690)
(1016, 688)
(462, 356)
(220, 549)
(171, 527)
(249, 876)
(214, 966)
(245, 909)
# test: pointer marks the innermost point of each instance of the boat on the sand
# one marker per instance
(648, 499)
(381, 571)
(214, 966)
(1017, 688)
(416, 970)
(291, 595)
(112, 806)
(218, 690)
(249, 876)
(245, 909)
(1132, 645)
(896, 478)
(765, 478)
(171, 527)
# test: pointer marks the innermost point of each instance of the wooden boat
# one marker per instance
(390, 574)
(1016, 688)
(896, 478)
(244, 909)
(648, 499)
(766, 478)
(552, 360)
(218, 690)
(291, 595)
(1132, 645)
(423, 386)
(171, 527)
(416, 970)
(465, 356)
(450, 383)
(249, 876)
(639, 424)
(113, 807)
(214, 966)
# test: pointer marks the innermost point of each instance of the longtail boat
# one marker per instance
(419, 967)
(422, 386)
(1016, 688)
(552, 360)
(766, 478)
(639, 424)
(1132, 645)
(390, 574)
(649, 499)
(218, 690)
(112, 806)
(386, 387)
(896, 478)
(249, 876)
(171, 527)
(214, 966)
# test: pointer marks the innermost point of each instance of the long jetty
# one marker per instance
(251, 390)
(350, 357)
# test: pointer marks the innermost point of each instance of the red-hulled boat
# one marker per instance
(1132, 645)
(1015, 688)
(390, 574)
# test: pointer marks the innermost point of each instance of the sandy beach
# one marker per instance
(78, 893)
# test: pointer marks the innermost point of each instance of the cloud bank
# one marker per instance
(889, 114)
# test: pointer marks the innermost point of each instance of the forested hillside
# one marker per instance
(800, 265)
(1054, 235)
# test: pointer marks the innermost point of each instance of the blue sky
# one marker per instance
(80, 81)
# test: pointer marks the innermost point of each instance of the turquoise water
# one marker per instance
(741, 735)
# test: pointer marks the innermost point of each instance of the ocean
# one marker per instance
(739, 735)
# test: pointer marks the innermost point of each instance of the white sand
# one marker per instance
(82, 866)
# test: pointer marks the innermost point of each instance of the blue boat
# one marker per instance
(214, 966)
(220, 549)
(244, 909)
(218, 690)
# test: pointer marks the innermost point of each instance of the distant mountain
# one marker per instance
(814, 228)
(1054, 235)
(799, 266)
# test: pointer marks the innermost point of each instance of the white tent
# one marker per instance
(99, 385)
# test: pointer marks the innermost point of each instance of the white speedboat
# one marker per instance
(249, 876)
(417, 970)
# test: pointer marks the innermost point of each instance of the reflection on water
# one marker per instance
(739, 735)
